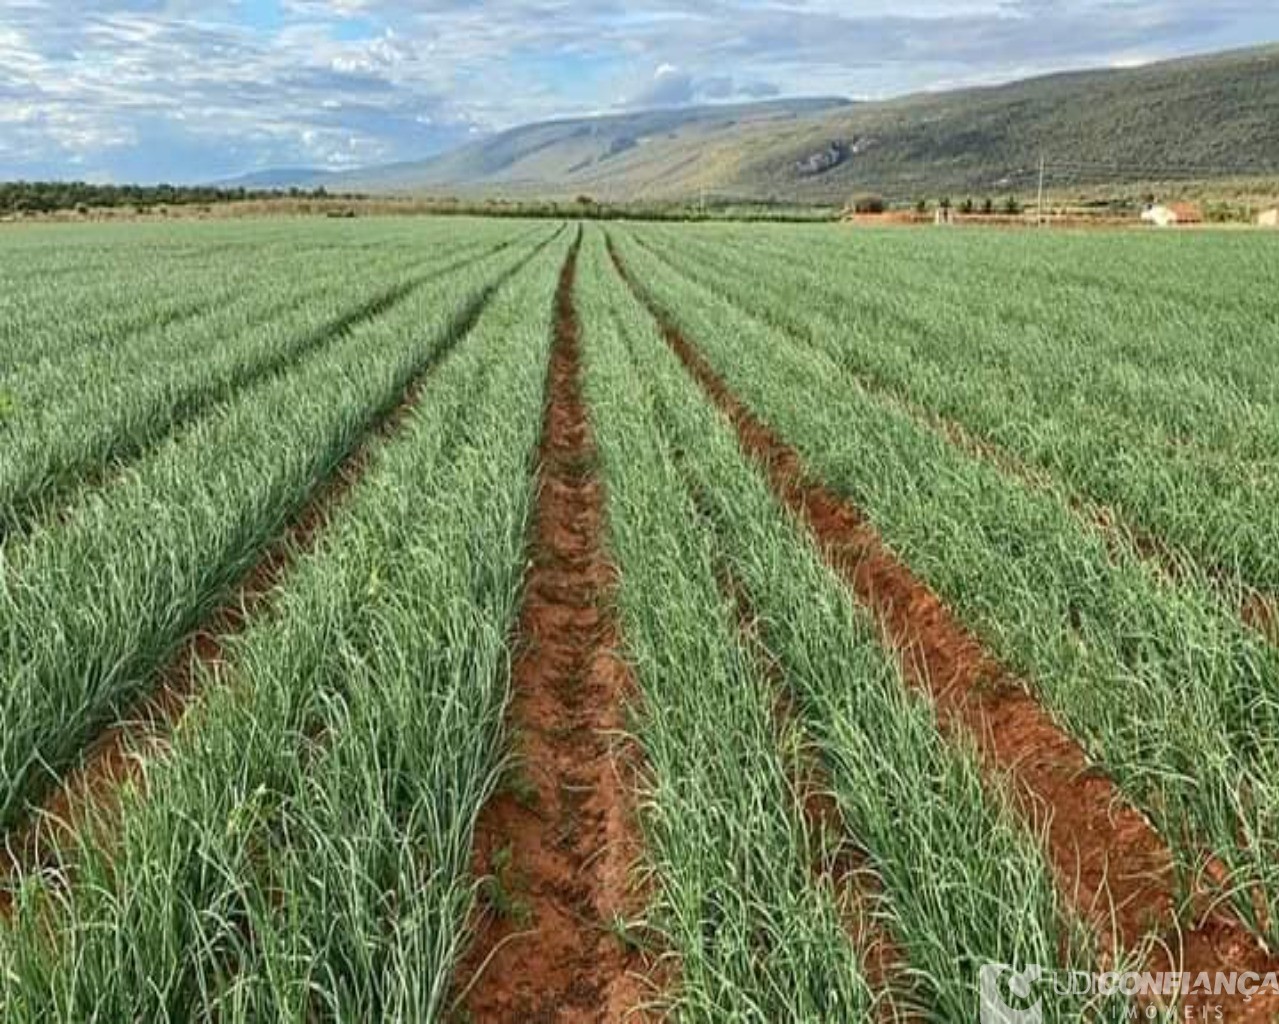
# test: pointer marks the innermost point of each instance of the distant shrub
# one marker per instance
(869, 204)
(988, 205)
(966, 206)
(1011, 206)
(945, 202)
(1225, 213)
(45, 196)
(921, 206)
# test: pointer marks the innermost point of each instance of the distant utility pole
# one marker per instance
(1039, 215)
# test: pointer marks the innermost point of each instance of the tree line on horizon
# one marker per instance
(48, 196)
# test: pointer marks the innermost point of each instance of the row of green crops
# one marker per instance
(59, 299)
(1191, 311)
(962, 882)
(756, 940)
(80, 414)
(91, 606)
(1172, 696)
(1168, 415)
(302, 851)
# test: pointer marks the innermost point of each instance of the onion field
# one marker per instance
(507, 622)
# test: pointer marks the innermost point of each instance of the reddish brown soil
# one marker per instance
(557, 846)
(1259, 611)
(91, 790)
(1114, 868)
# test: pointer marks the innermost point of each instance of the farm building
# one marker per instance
(1268, 218)
(1172, 214)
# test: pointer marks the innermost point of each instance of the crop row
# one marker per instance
(56, 306)
(303, 842)
(93, 605)
(82, 414)
(959, 881)
(1134, 411)
(1173, 698)
(754, 939)
(301, 850)
(1191, 312)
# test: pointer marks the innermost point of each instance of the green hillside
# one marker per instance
(1208, 117)
(641, 150)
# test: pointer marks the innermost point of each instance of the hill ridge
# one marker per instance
(1205, 116)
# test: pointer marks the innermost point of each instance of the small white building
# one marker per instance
(1159, 216)
(1168, 215)
(1268, 218)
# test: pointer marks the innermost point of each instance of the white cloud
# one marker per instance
(195, 90)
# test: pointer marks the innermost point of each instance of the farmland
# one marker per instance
(475, 620)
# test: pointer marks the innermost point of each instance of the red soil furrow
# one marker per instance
(1114, 868)
(90, 791)
(1257, 610)
(557, 843)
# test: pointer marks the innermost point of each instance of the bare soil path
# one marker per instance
(558, 841)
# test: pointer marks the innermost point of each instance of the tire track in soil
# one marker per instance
(1114, 869)
(556, 850)
(115, 756)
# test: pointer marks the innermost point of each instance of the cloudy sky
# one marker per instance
(151, 90)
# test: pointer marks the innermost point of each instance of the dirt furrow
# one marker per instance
(115, 755)
(1113, 867)
(56, 502)
(557, 842)
(1256, 608)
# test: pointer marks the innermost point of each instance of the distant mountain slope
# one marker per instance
(556, 155)
(1203, 117)
(1173, 120)
(1219, 112)
(281, 177)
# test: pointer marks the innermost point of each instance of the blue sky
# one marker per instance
(151, 90)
